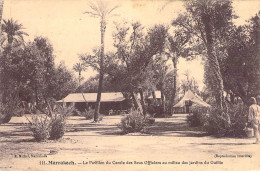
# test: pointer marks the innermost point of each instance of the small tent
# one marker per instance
(196, 101)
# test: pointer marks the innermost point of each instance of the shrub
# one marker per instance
(51, 125)
(57, 127)
(40, 127)
(156, 110)
(133, 122)
(58, 120)
(227, 123)
(64, 110)
(197, 118)
(88, 114)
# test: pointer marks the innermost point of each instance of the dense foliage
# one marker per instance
(220, 123)
(28, 73)
(88, 114)
(52, 124)
(134, 122)
(197, 118)
(40, 127)
(240, 67)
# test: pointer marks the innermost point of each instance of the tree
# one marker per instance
(162, 72)
(11, 37)
(12, 34)
(34, 71)
(178, 46)
(240, 67)
(91, 85)
(78, 67)
(47, 56)
(189, 83)
(65, 83)
(102, 10)
(207, 21)
(135, 52)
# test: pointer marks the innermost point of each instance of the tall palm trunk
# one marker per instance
(79, 77)
(215, 67)
(174, 89)
(101, 72)
(214, 63)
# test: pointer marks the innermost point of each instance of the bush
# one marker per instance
(40, 127)
(58, 126)
(58, 120)
(156, 110)
(52, 126)
(197, 118)
(64, 110)
(133, 122)
(88, 114)
(227, 123)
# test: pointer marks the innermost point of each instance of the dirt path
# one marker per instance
(168, 145)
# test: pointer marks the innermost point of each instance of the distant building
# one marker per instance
(109, 101)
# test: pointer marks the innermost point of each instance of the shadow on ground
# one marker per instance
(225, 144)
(175, 126)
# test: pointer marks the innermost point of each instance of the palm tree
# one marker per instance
(11, 36)
(177, 44)
(102, 10)
(78, 67)
(162, 72)
(12, 33)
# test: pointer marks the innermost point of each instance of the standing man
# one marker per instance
(254, 117)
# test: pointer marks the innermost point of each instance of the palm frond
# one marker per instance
(2, 40)
(112, 9)
(95, 8)
(92, 14)
(22, 33)
(12, 31)
(101, 9)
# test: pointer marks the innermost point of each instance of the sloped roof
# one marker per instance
(197, 100)
(92, 97)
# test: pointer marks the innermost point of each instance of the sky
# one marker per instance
(71, 32)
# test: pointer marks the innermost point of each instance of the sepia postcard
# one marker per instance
(129, 85)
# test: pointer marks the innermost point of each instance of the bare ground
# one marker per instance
(168, 140)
